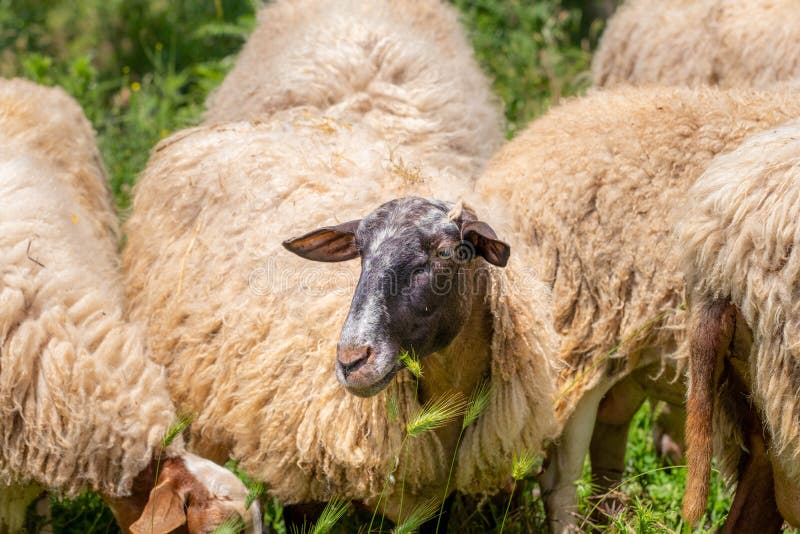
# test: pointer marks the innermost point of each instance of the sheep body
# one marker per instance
(402, 67)
(70, 363)
(739, 236)
(249, 338)
(593, 184)
(374, 100)
(731, 43)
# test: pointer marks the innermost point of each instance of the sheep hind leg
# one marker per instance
(609, 441)
(754, 507)
(565, 462)
(669, 421)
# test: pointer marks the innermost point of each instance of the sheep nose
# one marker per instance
(352, 358)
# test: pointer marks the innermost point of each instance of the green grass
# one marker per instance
(142, 70)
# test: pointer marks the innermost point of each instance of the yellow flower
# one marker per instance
(136, 87)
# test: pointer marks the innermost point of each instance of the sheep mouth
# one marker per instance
(367, 386)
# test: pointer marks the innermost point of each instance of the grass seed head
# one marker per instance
(477, 404)
(418, 516)
(436, 413)
(411, 361)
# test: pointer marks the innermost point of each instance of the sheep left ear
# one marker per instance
(163, 513)
(486, 243)
(331, 243)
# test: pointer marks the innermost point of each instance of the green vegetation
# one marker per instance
(143, 68)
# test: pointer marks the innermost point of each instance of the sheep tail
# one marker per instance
(710, 337)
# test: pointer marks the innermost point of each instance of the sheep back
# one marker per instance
(402, 67)
(731, 43)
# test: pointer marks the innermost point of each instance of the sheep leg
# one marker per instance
(565, 462)
(668, 431)
(610, 438)
(711, 334)
(754, 507)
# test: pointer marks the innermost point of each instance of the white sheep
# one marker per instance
(81, 404)
(586, 193)
(404, 108)
(739, 236)
(731, 43)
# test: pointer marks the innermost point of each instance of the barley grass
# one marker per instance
(418, 516)
(476, 405)
(521, 466)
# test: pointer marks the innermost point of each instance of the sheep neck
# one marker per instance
(460, 366)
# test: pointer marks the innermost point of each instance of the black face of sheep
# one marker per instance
(418, 278)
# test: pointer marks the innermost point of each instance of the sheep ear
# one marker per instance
(331, 243)
(485, 241)
(163, 512)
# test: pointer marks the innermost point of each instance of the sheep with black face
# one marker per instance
(374, 101)
(250, 338)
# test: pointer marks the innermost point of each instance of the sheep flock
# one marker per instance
(347, 281)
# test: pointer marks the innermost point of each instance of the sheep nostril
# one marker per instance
(352, 358)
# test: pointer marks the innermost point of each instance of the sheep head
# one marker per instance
(419, 271)
(191, 494)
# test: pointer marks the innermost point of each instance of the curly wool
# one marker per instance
(248, 331)
(80, 404)
(731, 43)
(593, 184)
(402, 67)
(740, 240)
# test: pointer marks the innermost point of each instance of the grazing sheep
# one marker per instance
(402, 67)
(588, 190)
(731, 43)
(81, 404)
(739, 237)
(248, 332)
(374, 100)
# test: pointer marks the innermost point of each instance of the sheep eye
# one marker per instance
(444, 253)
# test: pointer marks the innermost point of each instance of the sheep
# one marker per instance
(248, 338)
(738, 235)
(414, 115)
(730, 43)
(402, 67)
(81, 404)
(588, 189)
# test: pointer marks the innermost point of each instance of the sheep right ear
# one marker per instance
(163, 513)
(331, 243)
